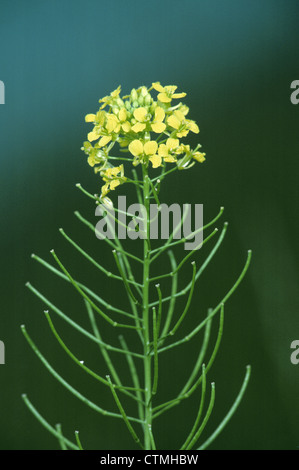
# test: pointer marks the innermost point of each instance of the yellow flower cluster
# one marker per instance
(113, 177)
(150, 130)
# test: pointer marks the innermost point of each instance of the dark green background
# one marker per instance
(236, 60)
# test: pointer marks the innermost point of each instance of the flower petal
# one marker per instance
(104, 140)
(179, 115)
(90, 117)
(170, 89)
(163, 98)
(138, 127)
(158, 127)
(172, 143)
(150, 147)
(157, 86)
(140, 114)
(156, 161)
(126, 126)
(159, 114)
(100, 117)
(179, 95)
(163, 150)
(114, 183)
(122, 115)
(199, 156)
(193, 127)
(184, 109)
(183, 133)
(104, 190)
(91, 160)
(136, 147)
(170, 159)
(92, 136)
(173, 121)
(112, 123)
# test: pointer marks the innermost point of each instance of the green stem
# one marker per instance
(60, 439)
(123, 413)
(155, 338)
(201, 405)
(76, 326)
(82, 293)
(56, 432)
(135, 377)
(206, 418)
(78, 440)
(230, 413)
(71, 389)
(146, 323)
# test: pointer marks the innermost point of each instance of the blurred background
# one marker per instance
(236, 61)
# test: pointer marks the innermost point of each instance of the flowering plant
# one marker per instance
(149, 133)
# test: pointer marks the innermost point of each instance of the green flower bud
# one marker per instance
(147, 99)
(119, 102)
(134, 95)
(153, 107)
(143, 91)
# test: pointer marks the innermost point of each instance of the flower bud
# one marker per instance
(143, 91)
(119, 102)
(147, 99)
(134, 95)
(107, 203)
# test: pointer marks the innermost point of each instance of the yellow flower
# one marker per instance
(106, 129)
(141, 116)
(183, 126)
(145, 152)
(108, 100)
(113, 177)
(167, 93)
(100, 118)
(96, 134)
(184, 109)
(199, 156)
(165, 150)
(112, 124)
(158, 125)
(184, 163)
(122, 116)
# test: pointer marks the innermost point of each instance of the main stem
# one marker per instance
(145, 313)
